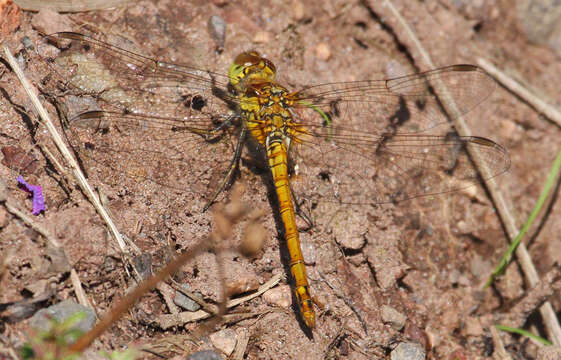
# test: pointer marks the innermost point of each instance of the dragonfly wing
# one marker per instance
(136, 83)
(126, 150)
(354, 168)
(407, 102)
(152, 120)
(388, 140)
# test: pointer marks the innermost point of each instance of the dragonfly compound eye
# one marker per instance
(250, 67)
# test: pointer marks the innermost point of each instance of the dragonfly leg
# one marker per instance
(298, 209)
(211, 134)
(233, 165)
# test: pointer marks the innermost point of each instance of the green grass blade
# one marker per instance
(524, 333)
(501, 267)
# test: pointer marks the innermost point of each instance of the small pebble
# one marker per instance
(143, 264)
(3, 190)
(204, 355)
(549, 353)
(4, 216)
(350, 230)
(184, 301)
(16, 158)
(224, 340)
(416, 335)
(217, 30)
(27, 43)
(279, 296)
(262, 37)
(308, 250)
(50, 22)
(408, 351)
(393, 317)
(297, 10)
(60, 312)
(323, 52)
(248, 282)
(472, 327)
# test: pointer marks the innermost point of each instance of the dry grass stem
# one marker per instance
(168, 294)
(499, 346)
(508, 219)
(536, 102)
(59, 142)
(241, 345)
(167, 321)
(16, 211)
(79, 290)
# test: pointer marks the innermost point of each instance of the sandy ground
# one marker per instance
(426, 259)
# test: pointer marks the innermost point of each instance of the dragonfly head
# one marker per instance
(250, 67)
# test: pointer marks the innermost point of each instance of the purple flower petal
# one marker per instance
(36, 192)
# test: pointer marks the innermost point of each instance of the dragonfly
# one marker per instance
(358, 143)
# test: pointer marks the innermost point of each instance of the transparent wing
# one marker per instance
(407, 102)
(372, 141)
(151, 120)
(360, 142)
(128, 149)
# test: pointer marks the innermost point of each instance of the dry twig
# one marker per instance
(59, 142)
(508, 219)
(541, 106)
(170, 320)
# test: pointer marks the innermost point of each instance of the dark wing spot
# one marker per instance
(324, 176)
(361, 24)
(360, 43)
(401, 115)
(87, 47)
(381, 146)
(198, 102)
(477, 27)
(89, 146)
(186, 100)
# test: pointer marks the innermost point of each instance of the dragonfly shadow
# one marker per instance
(258, 164)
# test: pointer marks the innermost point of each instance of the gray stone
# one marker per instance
(204, 355)
(408, 351)
(62, 311)
(184, 301)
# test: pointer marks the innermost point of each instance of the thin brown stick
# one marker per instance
(69, 5)
(499, 346)
(79, 290)
(546, 310)
(59, 142)
(128, 300)
(536, 102)
(241, 345)
(14, 210)
(167, 293)
(169, 320)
